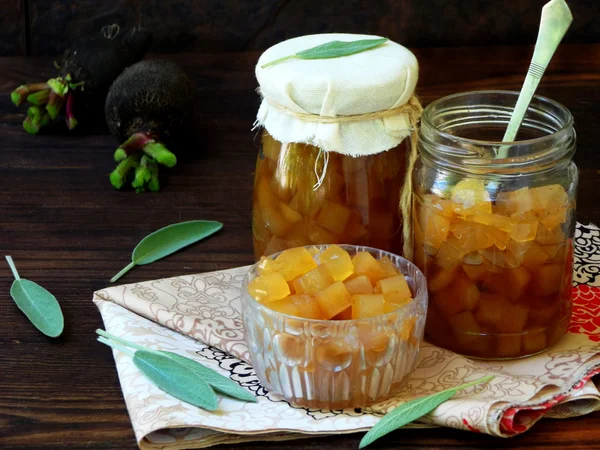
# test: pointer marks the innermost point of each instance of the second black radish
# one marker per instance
(148, 107)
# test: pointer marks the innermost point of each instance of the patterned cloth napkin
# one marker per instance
(198, 316)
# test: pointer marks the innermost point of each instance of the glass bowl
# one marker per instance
(335, 364)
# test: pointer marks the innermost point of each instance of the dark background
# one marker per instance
(45, 27)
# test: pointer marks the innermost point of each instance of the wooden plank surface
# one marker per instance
(236, 25)
(67, 229)
(12, 28)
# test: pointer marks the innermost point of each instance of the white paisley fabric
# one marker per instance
(380, 79)
(198, 316)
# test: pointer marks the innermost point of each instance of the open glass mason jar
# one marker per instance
(493, 224)
(334, 140)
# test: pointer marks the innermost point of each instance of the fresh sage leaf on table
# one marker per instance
(333, 49)
(180, 364)
(218, 382)
(39, 305)
(170, 376)
(168, 240)
(410, 411)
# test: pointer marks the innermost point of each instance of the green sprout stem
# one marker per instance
(125, 342)
(39, 98)
(160, 153)
(71, 120)
(153, 184)
(135, 143)
(119, 175)
(32, 126)
(142, 175)
(55, 103)
(19, 95)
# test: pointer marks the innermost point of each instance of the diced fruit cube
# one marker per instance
(367, 305)
(512, 319)
(365, 264)
(439, 205)
(338, 262)
(397, 299)
(462, 295)
(333, 299)
(408, 327)
(307, 201)
(547, 279)
(493, 220)
(388, 266)
(508, 345)
(545, 310)
(265, 265)
(333, 217)
(440, 279)
(524, 231)
(289, 214)
(534, 257)
(534, 342)
(313, 281)
(548, 237)
(435, 227)
(449, 255)
(475, 273)
(308, 307)
(344, 315)
(293, 262)
(268, 287)
(465, 292)
(472, 236)
(390, 307)
(319, 235)
(359, 285)
(470, 197)
(396, 284)
(491, 308)
(465, 328)
(548, 197)
(517, 201)
(517, 281)
(517, 250)
(313, 250)
(499, 258)
(285, 306)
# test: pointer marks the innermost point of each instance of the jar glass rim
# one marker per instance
(564, 128)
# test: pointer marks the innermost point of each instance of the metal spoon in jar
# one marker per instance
(555, 21)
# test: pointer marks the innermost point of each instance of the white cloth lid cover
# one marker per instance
(374, 80)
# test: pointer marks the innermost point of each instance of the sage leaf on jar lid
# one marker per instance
(410, 411)
(168, 240)
(333, 49)
(39, 305)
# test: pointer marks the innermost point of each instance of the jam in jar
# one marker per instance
(493, 231)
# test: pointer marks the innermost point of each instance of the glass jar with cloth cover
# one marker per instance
(335, 137)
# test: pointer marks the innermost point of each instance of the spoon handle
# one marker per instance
(556, 19)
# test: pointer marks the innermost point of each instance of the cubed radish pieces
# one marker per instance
(269, 287)
(338, 262)
(333, 299)
(313, 281)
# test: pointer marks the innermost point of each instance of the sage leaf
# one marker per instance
(410, 411)
(217, 381)
(171, 376)
(39, 305)
(333, 49)
(168, 240)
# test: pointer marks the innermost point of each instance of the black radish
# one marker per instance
(85, 72)
(148, 107)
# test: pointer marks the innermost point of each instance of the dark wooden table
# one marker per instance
(67, 229)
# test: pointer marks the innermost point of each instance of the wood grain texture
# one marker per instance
(236, 25)
(67, 229)
(12, 28)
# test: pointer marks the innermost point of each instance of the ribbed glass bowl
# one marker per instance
(336, 364)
